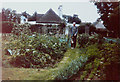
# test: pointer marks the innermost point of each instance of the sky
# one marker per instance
(86, 11)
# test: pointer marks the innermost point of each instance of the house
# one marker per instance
(100, 28)
(98, 25)
(46, 23)
(34, 18)
(50, 17)
(22, 18)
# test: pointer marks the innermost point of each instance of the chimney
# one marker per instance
(60, 11)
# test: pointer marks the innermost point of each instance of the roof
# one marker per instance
(25, 14)
(19, 15)
(35, 18)
(99, 25)
(39, 16)
(49, 17)
(31, 18)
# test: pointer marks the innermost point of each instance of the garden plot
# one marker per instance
(62, 70)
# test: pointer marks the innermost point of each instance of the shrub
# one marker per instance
(84, 40)
(92, 51)
(32, 60)
(30, 49)
(21, 29)
(110, 52)
(81, 29)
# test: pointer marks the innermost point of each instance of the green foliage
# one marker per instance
(35, 60)
(72, 64)
(85, 40)
(72, 61)
(34, 50)
(71, 69)
(51, 45)
(96, 39)
(110, 52)
(92, 60)
(91, 50)
(92, 29)
(20, 30)
(83, 75)
(81, 29)
(99, 57)
(72, 19)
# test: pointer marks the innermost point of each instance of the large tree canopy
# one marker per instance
(109, 14)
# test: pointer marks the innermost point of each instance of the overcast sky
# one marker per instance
(85, 10)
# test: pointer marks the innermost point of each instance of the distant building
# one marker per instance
(50, 17)
(98, 25)
(45, 23)
(100, 28)
(22, 18)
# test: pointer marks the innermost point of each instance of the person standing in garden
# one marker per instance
(74, 31)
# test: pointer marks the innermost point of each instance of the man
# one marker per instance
(74, 31)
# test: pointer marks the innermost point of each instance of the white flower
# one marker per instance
(101, 62)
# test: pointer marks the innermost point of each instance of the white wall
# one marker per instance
(23, 20)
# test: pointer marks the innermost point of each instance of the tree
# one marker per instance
(108, 12)
(76, 19)
(114, 24)
(9, 15)
(71, 19)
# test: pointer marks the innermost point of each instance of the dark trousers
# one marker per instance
(74, 41)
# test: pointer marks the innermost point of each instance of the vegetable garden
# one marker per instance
(89, 60)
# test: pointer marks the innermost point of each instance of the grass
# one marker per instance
(42, 74)
(52, 73)
(18, 73)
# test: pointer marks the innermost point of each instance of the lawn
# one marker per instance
(18, 73)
